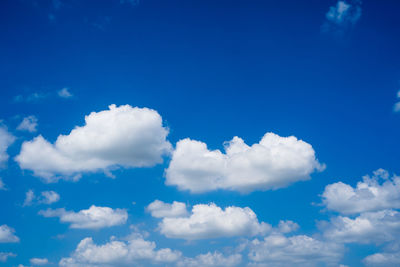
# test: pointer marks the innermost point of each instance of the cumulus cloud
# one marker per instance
(92, 218)
(5, 255)
(369, 227)
(274, 162)
(7, 235)
(376, 192)
(39, 261)
(119, 253)
(210, 221)
(6, 139)
(64, 93)
(159, 209)
(211, 260)
(341, 16)
(301, 250)
(383, 259)
(29, 198)
(121, 136)
(29, 124)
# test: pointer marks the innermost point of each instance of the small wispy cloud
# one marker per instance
(396, 107)
(65, 93)
(33, 97)
(343, 15)
(46, 197)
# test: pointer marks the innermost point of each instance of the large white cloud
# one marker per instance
(368, 195)
(369, 227)
(210, 221)
(160, 209)
(300, 250)
(121, 136)
(272, 163)
(7, 234)
(209, 259)
(119, 253)
(6, 139)
(92, 218)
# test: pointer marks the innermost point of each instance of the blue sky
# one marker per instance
(199, 133)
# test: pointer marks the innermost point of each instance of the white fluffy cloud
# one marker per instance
(272, 163)
(39, 261)
(159, 209)
(5, 255)
(6, 139)
(368, 195)
(119, 253)
(121, 136)
(300, 250)
(385, 259)
(369, 227)
(209, 259)
(210, 221)
(29, 124)
(7, 234)
(92, 218)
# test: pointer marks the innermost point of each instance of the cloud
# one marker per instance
(122, 136)
(119, 253)
(28, 124)
(345, 14)
(7, 235)
(92, 218)
(5, 255)
(6, 139)
(383, 259)
(211, 259)
(65, 93)
(274, 162)
(39, 261)
(287, 226)
(373, 193)
(2, 185)
(34, 97)
(210, 221)
(396, 107)
(46, 197)
(29, 197)
(159, 209)
(300, 250)
(369, 227)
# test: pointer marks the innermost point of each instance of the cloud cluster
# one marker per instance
(376, 192)
(6, 139)
(274, 162)
(210, 221)
(92, 218)
(121, 136)
(46, 197)
(369, 227)
(119, 253)
(7, 234)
